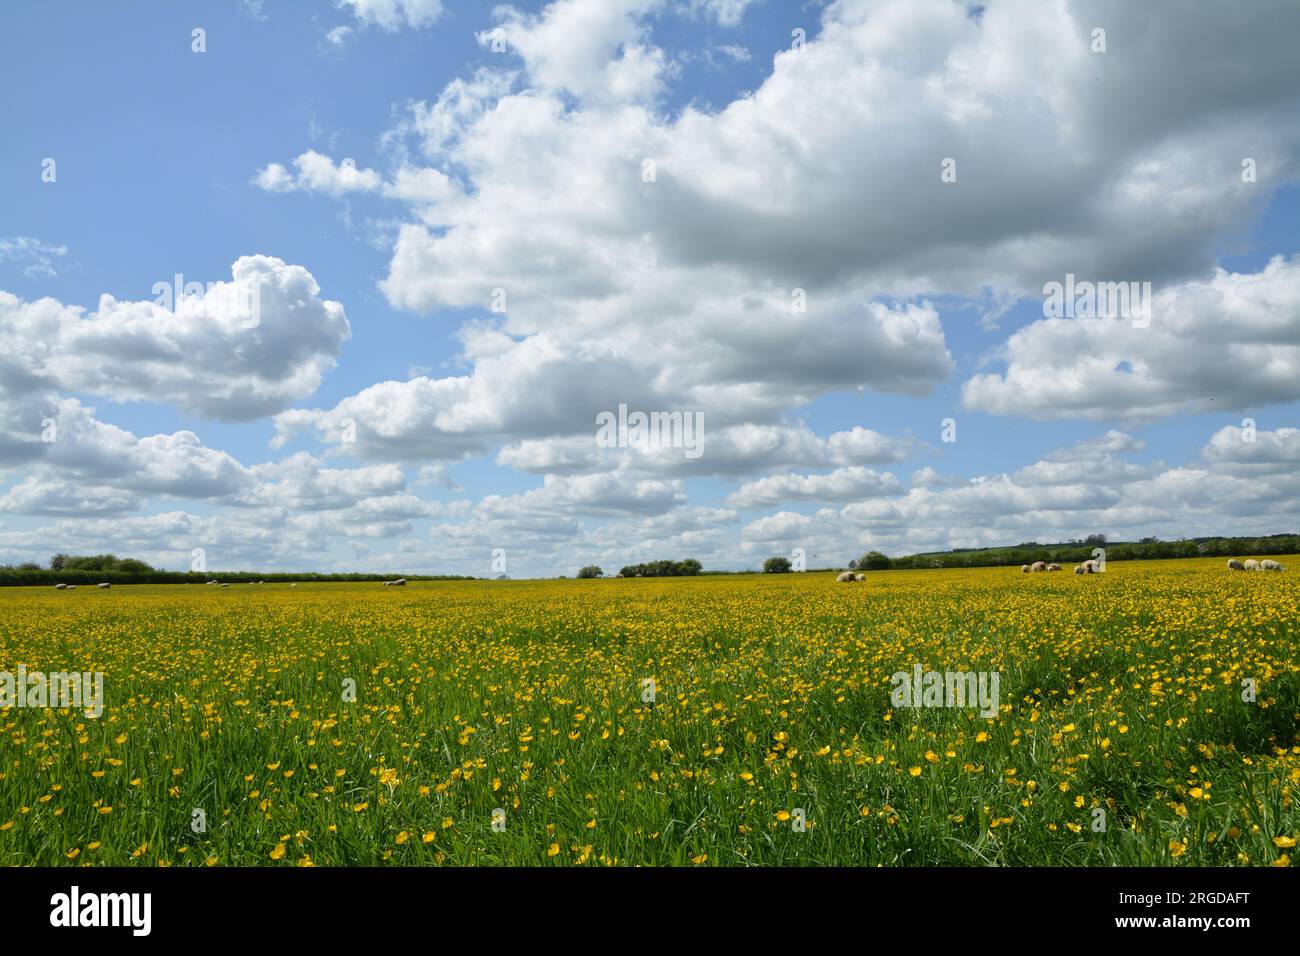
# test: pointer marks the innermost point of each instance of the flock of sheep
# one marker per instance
(1252, 565)
(400, 582)
(1092, 567)
(212, 584)
(1088, 567)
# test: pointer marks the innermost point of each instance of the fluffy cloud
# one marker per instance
(1070, 493)
(318, 173)
(242, 349)
(1228, 342)
(81, 449)
(842, 484)
(594, 49)
(1253, 452)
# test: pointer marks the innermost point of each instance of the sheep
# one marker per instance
(1078, 569)
(400, 582)
(859, 577)
(1235, 565)
(60, 586)
(103, 584)
(1250, 565)
(1090, 566)
(1038, 566)
(846, 577)
(1024, 569)
(1268, 564)
(72, 587)
(225, 585)
(1053, 567)
(293, 584)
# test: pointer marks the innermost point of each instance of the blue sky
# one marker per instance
(475, 169)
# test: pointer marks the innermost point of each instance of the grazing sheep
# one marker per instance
(1250, 565)
(1270, 565)
(846, 577)
(1024, 569)
(1038, 566)
(225, 585)
(103, 584)
(400, 582)
(293, 584)
(1235, 565)
(72, 587)
(859, 577)
(1053, 567)
(1078, 569)
(60, 586)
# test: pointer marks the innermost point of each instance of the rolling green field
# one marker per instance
(482, 723)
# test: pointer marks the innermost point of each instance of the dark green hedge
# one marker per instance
(10, 577)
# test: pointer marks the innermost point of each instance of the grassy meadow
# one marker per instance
(770, 740)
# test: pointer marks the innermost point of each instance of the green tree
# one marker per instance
(776, 565)
(591, 571)
(874, 561)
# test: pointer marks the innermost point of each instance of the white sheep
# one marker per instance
(1053, 567)
(1235, 565)
(846, 577)
(60, 586)
(400, 582)
(1024, 569)
(1038, 566)
(1089, 566)
(103, 584)
(293, 584)
(1078, 569)
(1270, 565)
(1250, 565)
(72, 587)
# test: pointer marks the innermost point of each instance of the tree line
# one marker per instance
(92, 569)
(1073, 552)
(663, 569)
